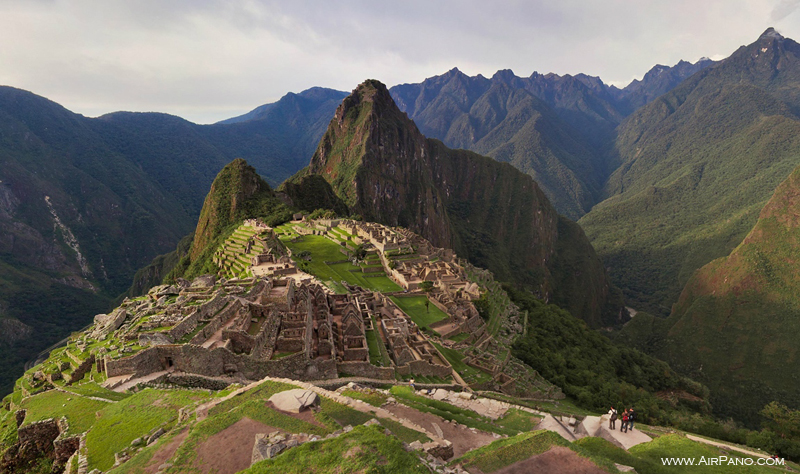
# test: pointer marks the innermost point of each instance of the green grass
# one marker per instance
(414, 307)
(648, 456)
(260, 393)
(406, 435)
(448, 411)
(92, 389)
(375, 353)
(341, 414)
(120, 423)
(459, 337)
(470, 375)
(364, 450)
(80, 411)
(505, 452)
(519, 420)
(375, 399)
(323, 250)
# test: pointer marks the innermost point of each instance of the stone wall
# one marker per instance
(241, 342)
(40, 434)
(184, 327)
(217, 322)
(214, 362)
(264, 344)
(80, 371)
(439, 305)
(210, 308)
(366, 370)
(423, 367)
(143, 363)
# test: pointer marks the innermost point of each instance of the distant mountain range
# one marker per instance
(667, 177)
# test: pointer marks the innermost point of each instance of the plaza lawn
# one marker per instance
(323, 250)
(414, 307)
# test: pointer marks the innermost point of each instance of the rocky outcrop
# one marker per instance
(294, 401)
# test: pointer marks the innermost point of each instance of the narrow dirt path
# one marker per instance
(727, 446)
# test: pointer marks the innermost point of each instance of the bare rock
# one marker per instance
(294, 401)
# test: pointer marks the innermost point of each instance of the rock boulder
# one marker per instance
(294, 401)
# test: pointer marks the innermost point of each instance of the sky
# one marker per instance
(208, 60)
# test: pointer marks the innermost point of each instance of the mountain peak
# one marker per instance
(771, 33)
(236, 189)
(504, 75)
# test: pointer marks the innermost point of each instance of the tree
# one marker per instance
(782, 420)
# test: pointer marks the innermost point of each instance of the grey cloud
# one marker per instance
(210, 59)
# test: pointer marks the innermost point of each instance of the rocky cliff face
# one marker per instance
(379, 163)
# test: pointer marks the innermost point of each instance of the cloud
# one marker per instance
(783, 9)
(211, 59)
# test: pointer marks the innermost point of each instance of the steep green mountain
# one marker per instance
(76, 221)
(85, 203)
(384, 169)
(237, 193)
(736, 324)
(695, 166)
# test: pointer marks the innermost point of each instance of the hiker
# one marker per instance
(413, 387)
(631, 418)
(612, 418)
(624, 426)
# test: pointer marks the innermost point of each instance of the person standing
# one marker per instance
(631, 418)
(624, 426)
(413, 385)
(612, 418)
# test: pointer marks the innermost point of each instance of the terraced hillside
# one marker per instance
(235, 255)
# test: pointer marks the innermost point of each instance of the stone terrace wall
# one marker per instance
(367, 370)
(143, 363)
(217, 322)
(423, 367)
(184, 327)
(81, 370)
(213, 362)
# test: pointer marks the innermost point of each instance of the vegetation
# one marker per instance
(365, 449)
(505, 452)
(122, 422)
(322, 250)
(594, 371)
(419, 310)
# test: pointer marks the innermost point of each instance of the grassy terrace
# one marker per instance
(414, 307)
(323, 250)
(470, 375)
(514, 422)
